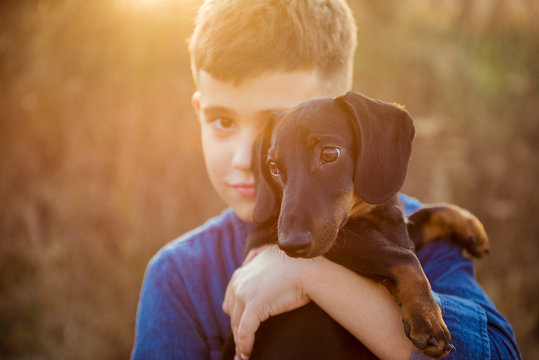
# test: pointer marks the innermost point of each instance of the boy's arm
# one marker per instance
(366, 308)
(273, 283)
(165, 326)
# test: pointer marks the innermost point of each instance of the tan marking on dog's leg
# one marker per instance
(447, 220)
(422, 317)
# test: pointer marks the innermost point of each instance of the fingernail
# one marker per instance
(432, 341)
(242, 357)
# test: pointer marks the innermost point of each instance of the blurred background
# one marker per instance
(100, 160)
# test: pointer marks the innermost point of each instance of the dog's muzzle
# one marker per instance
(296, 244)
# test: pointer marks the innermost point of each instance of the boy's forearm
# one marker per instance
(362, 306)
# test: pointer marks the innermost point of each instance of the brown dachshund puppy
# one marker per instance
(328, 172)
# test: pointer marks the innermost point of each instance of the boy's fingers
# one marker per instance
(234, 309)
(250, 256)
(235, 318)
(247, 327)
(240, 356)
(229, 299)
(254, 252)
(230, 295)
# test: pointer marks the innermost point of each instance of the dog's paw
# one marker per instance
(449, 221)
(425, 327)
(470, 234)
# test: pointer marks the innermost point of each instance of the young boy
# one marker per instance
(250, 57)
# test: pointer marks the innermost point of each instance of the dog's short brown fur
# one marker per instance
(328, 173)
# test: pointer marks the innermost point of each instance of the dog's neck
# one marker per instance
(360, 208)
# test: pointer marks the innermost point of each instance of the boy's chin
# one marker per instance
(244, 211)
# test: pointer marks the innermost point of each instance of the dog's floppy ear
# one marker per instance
(268, 201)
(384, 134)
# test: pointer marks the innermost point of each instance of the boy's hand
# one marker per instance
(254, 252)
(269, 283)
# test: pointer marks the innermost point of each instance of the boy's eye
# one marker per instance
(330, 154)
(222, 123)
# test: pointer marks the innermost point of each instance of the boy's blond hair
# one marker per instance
(236, 40)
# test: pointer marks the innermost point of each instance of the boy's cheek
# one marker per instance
(211, 147)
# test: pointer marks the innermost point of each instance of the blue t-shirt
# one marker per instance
(180, 312)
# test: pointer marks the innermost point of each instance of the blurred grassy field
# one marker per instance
(100, 161)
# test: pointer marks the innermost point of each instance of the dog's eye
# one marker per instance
(330, 154)
(273, 168)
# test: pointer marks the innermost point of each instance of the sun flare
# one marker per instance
(143, 3)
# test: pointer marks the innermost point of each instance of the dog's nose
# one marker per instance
(297, 244)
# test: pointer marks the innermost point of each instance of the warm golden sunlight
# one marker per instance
(100, 159)
(149, 2)
(153, 7)
(144, 3)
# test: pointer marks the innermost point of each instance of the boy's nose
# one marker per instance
(242, 155)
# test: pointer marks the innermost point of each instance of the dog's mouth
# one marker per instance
(313, 242)
(312, 251)
(309, 246)
(326, 248)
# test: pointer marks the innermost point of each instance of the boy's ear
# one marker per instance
(195, 101)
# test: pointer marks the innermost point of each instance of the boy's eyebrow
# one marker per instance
(268, 112)
(217, 110)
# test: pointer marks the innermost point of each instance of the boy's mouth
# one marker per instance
(245, 189)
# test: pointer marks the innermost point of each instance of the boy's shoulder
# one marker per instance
(220, 237)
(410, 204)
(214, 229)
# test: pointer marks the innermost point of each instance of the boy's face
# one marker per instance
(231, 117)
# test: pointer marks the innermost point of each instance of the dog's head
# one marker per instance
(324, 161)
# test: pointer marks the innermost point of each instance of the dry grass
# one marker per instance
(100, 161)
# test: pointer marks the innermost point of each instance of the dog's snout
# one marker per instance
(297, 244)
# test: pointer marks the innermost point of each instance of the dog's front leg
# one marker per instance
(365, 250)
(422, 317)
